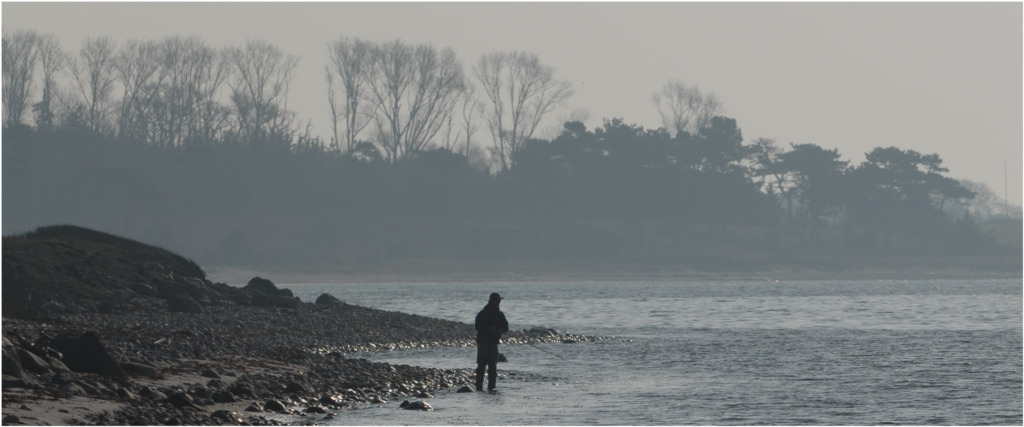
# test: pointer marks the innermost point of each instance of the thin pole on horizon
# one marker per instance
(1006, 193)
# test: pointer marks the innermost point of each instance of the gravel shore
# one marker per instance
(236, 364)
(102, 330)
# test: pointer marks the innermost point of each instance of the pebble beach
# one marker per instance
(99, 330)
(233, 365)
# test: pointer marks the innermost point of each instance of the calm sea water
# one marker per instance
(807, 352)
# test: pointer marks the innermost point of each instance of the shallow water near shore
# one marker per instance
(945, 352)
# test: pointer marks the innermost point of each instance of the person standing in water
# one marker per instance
(490, 324)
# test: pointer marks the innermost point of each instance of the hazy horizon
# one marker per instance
(943, 78)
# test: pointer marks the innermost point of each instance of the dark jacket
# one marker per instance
(490, 324)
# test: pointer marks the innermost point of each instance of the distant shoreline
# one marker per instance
(512, 272)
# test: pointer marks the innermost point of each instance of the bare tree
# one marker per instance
(259, 87)
(521, 91)
(684, 108)
(138, 65)
(352, 60)
(470, 104)
(457, 134)
(171, 98)
(20, 55)
(214, 69)
(94, 76)
(415, 89)
(52, 60)
(179, 103)
(333, 103)
(449, 134)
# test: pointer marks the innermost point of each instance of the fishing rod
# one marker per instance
(543, 350)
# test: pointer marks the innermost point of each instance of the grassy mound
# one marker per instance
(66, 267)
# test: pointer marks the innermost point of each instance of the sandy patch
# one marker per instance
(34, 409)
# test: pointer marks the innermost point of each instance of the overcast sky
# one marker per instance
(940, 78)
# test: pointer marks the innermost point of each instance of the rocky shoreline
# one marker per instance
(100, 330)
(229, 364)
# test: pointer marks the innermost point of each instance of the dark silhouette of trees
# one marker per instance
(818, 176)
(178, 143)
(902, 189)
(777, 181)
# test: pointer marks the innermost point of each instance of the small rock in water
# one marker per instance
(417, 405)
(464, 389)
(542, 331)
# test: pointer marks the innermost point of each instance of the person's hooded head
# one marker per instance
(495, 299)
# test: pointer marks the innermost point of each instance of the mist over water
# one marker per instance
(847, 352)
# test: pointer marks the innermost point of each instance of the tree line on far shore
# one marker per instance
(137, 141)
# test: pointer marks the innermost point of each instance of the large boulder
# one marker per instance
(86, 353)
(274, 405)
(327, 299)
(33, 363)
(261, 286)
(12, 368)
